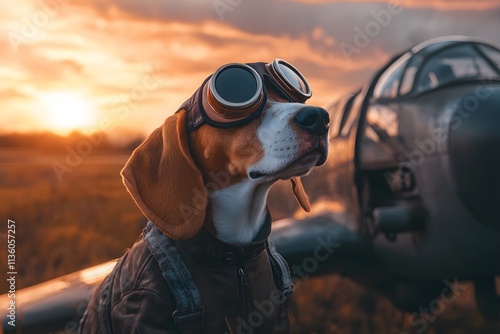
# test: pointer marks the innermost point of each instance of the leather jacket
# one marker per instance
(241, 290)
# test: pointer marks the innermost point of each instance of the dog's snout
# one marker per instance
(313, 119)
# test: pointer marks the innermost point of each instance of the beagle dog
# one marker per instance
(207, 171)
(219, 172)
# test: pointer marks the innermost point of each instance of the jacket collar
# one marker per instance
(207, 247)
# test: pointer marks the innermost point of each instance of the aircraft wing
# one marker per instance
(55, 306)
(314, 245)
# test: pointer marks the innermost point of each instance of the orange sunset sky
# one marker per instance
(67, 65)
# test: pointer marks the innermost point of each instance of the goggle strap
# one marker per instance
(194, 119)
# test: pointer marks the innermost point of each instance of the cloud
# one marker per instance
(324, 24)
(103, 49)
(435, 4)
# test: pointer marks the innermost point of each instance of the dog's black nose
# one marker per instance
(313, 119)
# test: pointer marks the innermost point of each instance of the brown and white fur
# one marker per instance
(221, 177)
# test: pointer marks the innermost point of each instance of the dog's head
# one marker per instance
(211, 143)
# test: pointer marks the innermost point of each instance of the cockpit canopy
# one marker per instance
(433, 65)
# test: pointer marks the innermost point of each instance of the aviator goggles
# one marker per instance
(236, 94)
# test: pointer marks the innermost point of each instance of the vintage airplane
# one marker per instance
(414, 173)
(411, 183)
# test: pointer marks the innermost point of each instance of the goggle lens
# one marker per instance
(236, 85)
(293, 78)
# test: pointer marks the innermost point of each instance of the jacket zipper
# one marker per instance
(243, 292)
(243, 296)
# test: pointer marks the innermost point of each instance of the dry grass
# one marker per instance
(66, 226)
(89, 218)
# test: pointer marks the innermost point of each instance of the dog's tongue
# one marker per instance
(300, 193)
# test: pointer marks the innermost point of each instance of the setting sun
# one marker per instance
(67, 111)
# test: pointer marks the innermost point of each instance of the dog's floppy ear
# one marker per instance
(165, 182)
(300, 193)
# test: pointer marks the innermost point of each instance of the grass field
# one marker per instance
(88, 218)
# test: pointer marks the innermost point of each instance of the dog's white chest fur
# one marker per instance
(239, 211)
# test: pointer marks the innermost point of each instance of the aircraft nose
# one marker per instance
(474, 150)
(313, 119)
